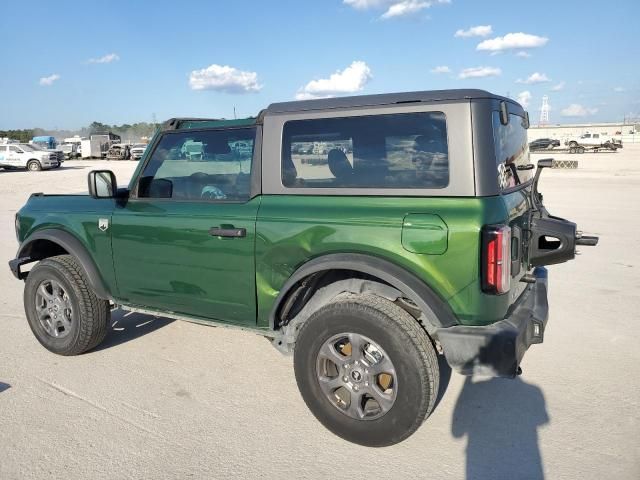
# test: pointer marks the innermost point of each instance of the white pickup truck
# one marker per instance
(594, 140)
(26, 156)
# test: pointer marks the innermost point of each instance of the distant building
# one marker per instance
(629, 133)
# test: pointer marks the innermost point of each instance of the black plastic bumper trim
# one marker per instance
(497, 349)
(15, 265)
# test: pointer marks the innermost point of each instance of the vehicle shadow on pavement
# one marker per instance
(4, 386)
(500, 418)
(127, 326)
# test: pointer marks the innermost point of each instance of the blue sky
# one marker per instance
(69, 63)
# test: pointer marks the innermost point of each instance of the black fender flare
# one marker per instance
(76, 249)
(432, 305)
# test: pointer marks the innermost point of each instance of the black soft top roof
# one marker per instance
(382, 99)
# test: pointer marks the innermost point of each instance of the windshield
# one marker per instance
(512, 151)
(28, 148)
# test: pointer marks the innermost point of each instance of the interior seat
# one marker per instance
(340, 167)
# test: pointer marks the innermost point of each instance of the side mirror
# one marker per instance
(102, 184)
(504, 113)
(527, 124)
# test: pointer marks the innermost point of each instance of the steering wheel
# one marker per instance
(212, 192)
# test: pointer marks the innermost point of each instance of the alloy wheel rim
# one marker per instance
(54, 309)
(357, 376)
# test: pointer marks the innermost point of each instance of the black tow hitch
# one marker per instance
(551, 239)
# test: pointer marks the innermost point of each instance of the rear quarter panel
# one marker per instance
(292, 230)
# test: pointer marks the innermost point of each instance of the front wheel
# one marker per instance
(63, 312)
(34, 166)
(367, 370)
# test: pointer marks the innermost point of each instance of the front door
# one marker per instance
(184, 241)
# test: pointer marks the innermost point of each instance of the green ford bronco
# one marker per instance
(366, 235)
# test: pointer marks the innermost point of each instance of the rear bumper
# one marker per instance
(497, 349)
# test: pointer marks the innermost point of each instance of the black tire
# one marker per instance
(34, 166)
(408, 347)
(89, 316)
(573, 144)
(581, 150)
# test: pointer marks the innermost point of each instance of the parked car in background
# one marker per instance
(137, 151)
(544, 143)
(23, 155)
(594, 140)
(70, 150)
(60, 155)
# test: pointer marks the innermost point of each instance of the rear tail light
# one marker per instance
(496, 259)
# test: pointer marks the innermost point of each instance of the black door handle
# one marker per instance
(228, 232)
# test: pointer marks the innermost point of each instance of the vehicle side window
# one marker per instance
(408, 150)
(205, 165)
(596, 135)
(512, 150)
(587, 135)
(15, 150)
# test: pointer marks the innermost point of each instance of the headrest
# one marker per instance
(217, 146)
(339, 163)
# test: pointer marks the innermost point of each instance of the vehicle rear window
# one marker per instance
(406, 150)
(512, 151)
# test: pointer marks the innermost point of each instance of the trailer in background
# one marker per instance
(98, 144)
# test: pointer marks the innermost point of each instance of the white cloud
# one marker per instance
(404, 8)
(534, 78)
(108, 58)
(558, 86)
(618, 89)
(523, 54)
(47, 81)
(524, 98)
(577, 110)
(512, 41)
(479, 72)
(365, 4)
(350, 80)
(479, 31)
(224, 79)
(441, 69)
(394, 8)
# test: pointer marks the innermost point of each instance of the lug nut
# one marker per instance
(356, 388)
(345, 379)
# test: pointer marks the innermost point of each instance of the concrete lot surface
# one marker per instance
(168, 399)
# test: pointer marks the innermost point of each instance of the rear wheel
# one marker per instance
(34, 166)
(580, 150)
(367, 370)
(64, 314)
